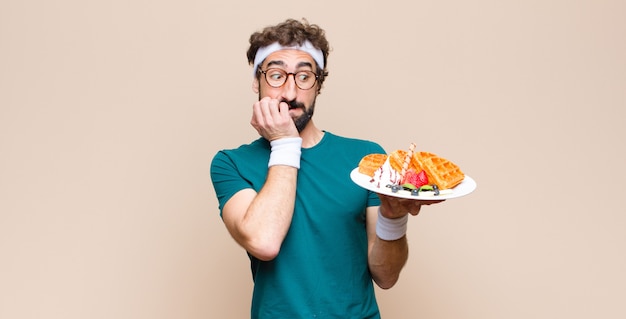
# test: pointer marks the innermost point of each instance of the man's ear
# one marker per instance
(255, 85)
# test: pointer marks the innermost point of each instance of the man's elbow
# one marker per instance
(264, 251)
(264, 255)
(386, 283)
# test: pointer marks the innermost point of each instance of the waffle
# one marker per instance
(439, 170)
(370, 163)
(397, 160)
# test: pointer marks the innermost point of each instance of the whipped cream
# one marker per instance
(385, 175)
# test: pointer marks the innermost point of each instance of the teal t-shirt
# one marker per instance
(321, 270)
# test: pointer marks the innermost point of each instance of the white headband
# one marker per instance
(307, 47)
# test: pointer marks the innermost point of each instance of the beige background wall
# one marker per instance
(110, 112)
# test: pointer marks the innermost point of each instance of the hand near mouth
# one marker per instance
(293, 104)
(271, 119)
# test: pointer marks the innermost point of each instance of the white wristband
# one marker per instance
(286, 151)
(391, 228)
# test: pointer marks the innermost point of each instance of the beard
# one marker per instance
(304, 119)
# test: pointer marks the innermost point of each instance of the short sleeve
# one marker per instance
(226, 178)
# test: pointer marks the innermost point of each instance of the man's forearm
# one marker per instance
(386, 260)
(269, 215)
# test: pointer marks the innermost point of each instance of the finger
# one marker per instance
(277, 112)
(283, 108)
(430, 202)
(415, 211)
(257, 117)
(267, 112)
(263, 113)
(281, 114)
(265, 109)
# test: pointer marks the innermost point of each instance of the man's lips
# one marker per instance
(295, 111)
(294, 105)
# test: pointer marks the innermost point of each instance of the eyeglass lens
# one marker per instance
(277, 78)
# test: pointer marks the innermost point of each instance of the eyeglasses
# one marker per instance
(276, 78)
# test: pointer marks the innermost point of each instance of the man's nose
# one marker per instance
(290, 90)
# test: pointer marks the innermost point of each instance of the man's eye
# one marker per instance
(276, 75)
(303, 77)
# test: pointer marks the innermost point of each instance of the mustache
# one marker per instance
(293, 104)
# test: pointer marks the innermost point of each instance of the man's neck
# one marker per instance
(311, 135)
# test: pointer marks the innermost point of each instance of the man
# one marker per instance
(316, 240)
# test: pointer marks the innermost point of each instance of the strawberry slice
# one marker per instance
(414, 178)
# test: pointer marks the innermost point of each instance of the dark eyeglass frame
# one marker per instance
(287, 74)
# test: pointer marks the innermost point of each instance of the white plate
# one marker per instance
(467, 186)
